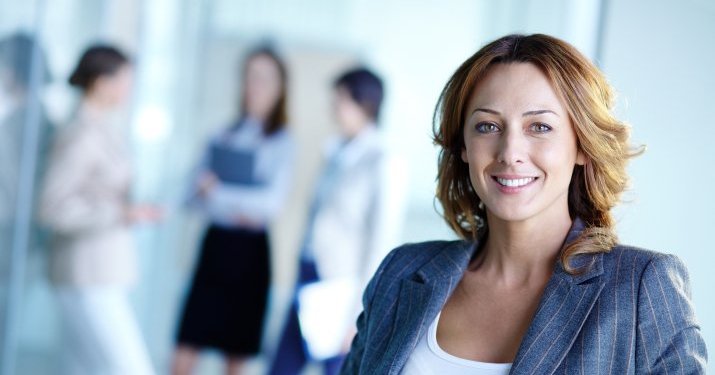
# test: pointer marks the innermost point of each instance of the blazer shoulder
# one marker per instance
(644, 260)
(642, 256)
(410, 257)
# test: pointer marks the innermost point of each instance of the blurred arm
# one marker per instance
(69, 203)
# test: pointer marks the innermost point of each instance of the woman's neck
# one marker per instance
(523, 252)
(97, 104)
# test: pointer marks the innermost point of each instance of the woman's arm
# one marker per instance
(68, 202)
(236, 204)
(257, 204)
(668, 338)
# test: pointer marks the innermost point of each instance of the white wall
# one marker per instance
(660, 56)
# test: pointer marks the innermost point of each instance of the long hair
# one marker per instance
(595, 187)
(278, 116)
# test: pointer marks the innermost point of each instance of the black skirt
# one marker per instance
(226, 305)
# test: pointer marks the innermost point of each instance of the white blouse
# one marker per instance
(429, 358)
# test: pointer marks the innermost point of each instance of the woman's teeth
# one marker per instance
(515, 182)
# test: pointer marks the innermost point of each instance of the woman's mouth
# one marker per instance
(514, 182)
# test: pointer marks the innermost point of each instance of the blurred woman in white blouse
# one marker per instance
(354, 220)
(241, 186)
(85, 201)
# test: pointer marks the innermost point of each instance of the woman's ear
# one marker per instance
(464, 155)
(580, 158)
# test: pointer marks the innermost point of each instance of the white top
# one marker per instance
(429, 358)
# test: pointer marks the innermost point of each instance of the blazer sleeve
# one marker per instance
(668, 338)
(69, 203)
(354, 360)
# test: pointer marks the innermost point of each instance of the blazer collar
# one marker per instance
(422, 295)
(591, 265)
(565, 305)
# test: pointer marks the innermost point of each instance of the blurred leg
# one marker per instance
(126, 347)
(332, 365)
(103, 332)
(184, 361)
(234, 365)
(78, 355)
(290, 357)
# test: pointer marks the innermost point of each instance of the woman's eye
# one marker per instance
(486, 127)
(540, 127)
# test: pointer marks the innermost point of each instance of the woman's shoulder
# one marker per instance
(410, 257)
(77, 134)
(283, 137)
(647, 263)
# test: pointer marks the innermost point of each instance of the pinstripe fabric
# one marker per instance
(629, 313)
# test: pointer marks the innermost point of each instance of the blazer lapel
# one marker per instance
(422, 295)
(564, 307)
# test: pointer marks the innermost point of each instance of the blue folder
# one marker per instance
(233, 166)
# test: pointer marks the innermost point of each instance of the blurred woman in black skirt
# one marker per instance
(241, 186)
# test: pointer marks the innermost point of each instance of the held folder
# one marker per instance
(325, 314)
(233, 166)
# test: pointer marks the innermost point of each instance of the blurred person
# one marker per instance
(86, 203)
(241, 186)
(352, 223)
(17, 100)
(16, 54)
(532, 161)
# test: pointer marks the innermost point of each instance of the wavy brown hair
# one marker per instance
(595, 187)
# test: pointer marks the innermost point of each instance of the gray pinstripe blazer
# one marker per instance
(630, 313)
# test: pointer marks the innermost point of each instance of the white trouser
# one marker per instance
(101, 336)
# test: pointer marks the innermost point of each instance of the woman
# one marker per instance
(241, 186)
(86, 203)
(349, 231)
(532, 162)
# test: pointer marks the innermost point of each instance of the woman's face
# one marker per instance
(520, 144)
(263, 86)
(114, 89)
(351, 118)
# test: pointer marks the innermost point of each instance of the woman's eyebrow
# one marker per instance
(528, 113)
(487, 110)
(538, 112)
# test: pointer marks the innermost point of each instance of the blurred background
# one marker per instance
(658, 54)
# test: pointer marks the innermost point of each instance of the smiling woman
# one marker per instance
(520, 152)
(532, 162)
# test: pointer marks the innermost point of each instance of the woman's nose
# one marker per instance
(512, 148)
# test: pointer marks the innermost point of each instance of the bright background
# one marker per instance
(658, 54)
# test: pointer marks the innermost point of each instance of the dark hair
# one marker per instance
(365, 88)
(16, 53)
(97, 61)
(595, 187)
(278, 118)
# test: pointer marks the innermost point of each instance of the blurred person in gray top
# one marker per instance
(17, 100)
(352, 224)
(85, 201)
(241, 186)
